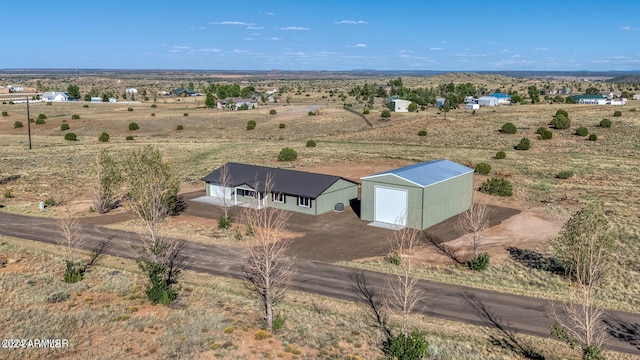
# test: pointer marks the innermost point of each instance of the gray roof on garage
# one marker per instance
(290, 182)
(426, 173)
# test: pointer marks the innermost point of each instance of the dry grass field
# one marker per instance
(606, 169)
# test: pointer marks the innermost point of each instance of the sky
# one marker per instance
(534, 35)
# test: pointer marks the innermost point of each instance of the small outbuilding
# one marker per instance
(417, 196)
(299, 191)
(400, 105)
(471, 106)
(488, 101)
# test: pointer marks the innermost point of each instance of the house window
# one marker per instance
(245, 192)
(277, 197)
(304, 201)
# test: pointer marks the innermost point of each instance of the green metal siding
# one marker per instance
(340, 192)
(291, 204)
(414, 196)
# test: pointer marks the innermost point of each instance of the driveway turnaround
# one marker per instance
(511, 314)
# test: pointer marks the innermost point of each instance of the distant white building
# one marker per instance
(440, 102)
(233, 103)
(95, 99)
(502, 98)
(400, 105)
(488, 101)
(55, 96)
(636, 96)
(132, 91)
(472, 106)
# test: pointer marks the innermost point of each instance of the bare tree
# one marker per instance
(586, 249)
(473, 221)
(106, 181)
(152, 187)
(70, 238)
(268, 270)
(223, 191)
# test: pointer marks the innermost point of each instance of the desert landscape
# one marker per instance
(106, 315)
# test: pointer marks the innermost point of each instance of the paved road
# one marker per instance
(512, 314)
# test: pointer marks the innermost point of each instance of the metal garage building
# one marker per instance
(417, 196)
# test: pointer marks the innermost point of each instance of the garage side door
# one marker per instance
(220, 191)
(391, 206)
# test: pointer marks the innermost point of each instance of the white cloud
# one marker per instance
(351, 22)
(295, 54)
(209, 50)
(625, 28)
(239, 51)
(360, 45)
(255, 27)
(270, 14)
(295, 28)
(541, 49)
(249, 39)
(231, 23)
(181, 47)
(436, 49)
(275, 38)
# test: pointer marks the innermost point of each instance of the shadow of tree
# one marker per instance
(624, 331)
(509, 339)
(536, 260)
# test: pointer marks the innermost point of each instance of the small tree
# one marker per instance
(508, 128)
(617, 113)
(224, 194)
(251, 124)
(385, 113)
(75, 117)
(272, 112)
(483, 168)
(104, 137)
(593, 137)
(133, 126)
(209, 101)
(582, 131)
(64, 127)
(18, 124)
(106, 183)
(474, 221)
(311, 143)
(524, 144)
(605, 123)
(561, 122)
(70, 136)
(287, 154)
(282, 125)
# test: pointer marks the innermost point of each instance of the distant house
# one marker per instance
(16, 88)
(488, 101)
(470, 100)
(502, 98)
(96, 99)
(400, 105)
(590, 99)
(299, 191)
(440, 102)
(55, 96)
(132, 91)
(183, 92)
(234, 103)
(472, 106)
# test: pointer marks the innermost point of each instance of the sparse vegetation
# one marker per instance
(524, 144)
(272, 112)
(497, 186)
(18, 124)
(282, 126)
(593, 137)
(565, 174)
(70, 137)
(617, 113)
(64, 127)
(483, 168)
(179, 127)
(422, 133)
(4, 113)
(605, 123)
(501, 155)
(75, 117)
(104, 137)
(133, 126)
(311, 143)
(582, 131)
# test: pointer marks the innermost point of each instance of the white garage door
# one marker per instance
(220, 191)
(391, 206)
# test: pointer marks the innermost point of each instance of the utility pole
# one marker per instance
(28, 123)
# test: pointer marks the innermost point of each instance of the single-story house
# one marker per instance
(590, 99)
(55, 96)
(96, 99)
(132, 91)
(299, 191)
(400, 105)
(234, 103)
(183, 92)
(472, 106)
(488, 101)
(470, 100)
(502, 98)
(417, 196)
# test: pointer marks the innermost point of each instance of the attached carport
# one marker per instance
(417, 196)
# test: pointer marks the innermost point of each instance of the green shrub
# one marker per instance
(508, 128)
(565, 174)
(42, 117)
(278, 322)
(582, 131)
(73, 273)
(632, 110)
(251, 124)
(422, 133)
(64, 127)
(524, 144)
(70, 137)
(261, 335)
(104, 137)
(58, 296)
(39, 121)
(49, 202)
(282, 125)
(593, 137)
(4, 113)
(617, 113)
(480, 262)
(7, 195)
(497, 186)
(129, 138)
(394, 258)
(545, 134)
(179, 127)
(561, 122)
(185, 114)
(483, 168)
(153, 114)
(17, 124)
(159, 288)
(365, 112)
(311, 143)
(501, 155)
(224, 222)
(385, 113)
(133, 126)
(311, 113)
(154, 106)
(129, 109)
(272, 112)
(48, 103)
(605, 123)
(85, 106)
(412, 347)
(75, 117)
(287, 154)
(562, 112)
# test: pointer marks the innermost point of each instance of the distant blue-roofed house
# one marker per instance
(417, 196)
(502, 98)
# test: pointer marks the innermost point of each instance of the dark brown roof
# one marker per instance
(290, 182)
